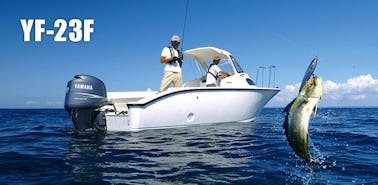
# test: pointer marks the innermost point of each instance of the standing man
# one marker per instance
(173, 59)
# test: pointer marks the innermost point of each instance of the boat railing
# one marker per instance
(260, 77)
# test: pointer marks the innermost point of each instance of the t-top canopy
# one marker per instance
(206, 53)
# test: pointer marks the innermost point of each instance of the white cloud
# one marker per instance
(37, 102)
(30, 102)
(286, 95)
(357, 91)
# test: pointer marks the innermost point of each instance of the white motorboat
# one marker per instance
(235, 99)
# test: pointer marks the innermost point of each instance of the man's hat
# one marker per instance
(175, 38)
(216, 58)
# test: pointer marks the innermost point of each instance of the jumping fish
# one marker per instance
(298, 114)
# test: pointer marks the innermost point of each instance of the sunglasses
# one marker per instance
(175, 42)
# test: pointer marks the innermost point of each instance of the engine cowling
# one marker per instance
(85, 94)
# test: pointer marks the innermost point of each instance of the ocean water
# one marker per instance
(42, 147)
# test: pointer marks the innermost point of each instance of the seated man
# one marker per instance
(214, 73)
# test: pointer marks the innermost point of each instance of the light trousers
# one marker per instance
(170, 77)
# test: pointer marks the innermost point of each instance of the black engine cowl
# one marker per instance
(84, 96)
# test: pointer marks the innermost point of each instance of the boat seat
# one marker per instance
(199, 82)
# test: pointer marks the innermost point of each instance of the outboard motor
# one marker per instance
(84, 96)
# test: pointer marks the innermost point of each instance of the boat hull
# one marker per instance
(185, 107)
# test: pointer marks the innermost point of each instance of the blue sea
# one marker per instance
(42, 147)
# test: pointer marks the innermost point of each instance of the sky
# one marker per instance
(125, 47)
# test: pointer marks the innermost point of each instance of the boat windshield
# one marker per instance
(238, 68)
(226, 65)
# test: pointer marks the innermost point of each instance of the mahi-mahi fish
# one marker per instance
(298, 114)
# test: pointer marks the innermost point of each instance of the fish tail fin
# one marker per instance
(312, 161)
(312, 165)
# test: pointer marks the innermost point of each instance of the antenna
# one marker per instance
(257, 76)
(262, 79)
(270, 74)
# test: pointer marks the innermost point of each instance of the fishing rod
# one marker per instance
(183, 36)
(183, 30)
